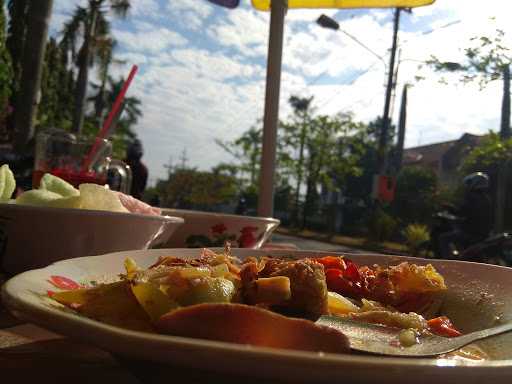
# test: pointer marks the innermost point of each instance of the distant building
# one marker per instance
(443, 158)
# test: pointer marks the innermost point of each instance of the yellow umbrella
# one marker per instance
(275, 49)
(264, 5)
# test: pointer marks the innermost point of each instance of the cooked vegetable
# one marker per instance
(112, 304)
(244, 324)
(55, 184)
(339, 305)
(7, 183)
(208, 290)
(97, 197)
(154, 302)
(442, 326)
(37, 198)
(199, 298)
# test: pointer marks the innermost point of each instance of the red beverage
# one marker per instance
(73, 177)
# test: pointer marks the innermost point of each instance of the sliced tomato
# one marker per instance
(64, 283)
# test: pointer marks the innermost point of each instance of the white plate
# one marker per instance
(478, 293)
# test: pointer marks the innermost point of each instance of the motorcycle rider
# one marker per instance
(474, 216)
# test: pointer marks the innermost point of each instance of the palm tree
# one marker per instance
(5, 75)
(38, 19)
(108, 93)
(91, 25)
(16, 33)
(104, 59)
(122, 126)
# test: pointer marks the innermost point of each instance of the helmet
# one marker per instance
(135, 150)
(476, 181)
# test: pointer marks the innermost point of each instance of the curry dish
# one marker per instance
(263, 301)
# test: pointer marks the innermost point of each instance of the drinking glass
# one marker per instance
(79, 160)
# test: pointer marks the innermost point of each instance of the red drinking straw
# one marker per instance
(108, 121)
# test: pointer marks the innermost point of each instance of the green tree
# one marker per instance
(192, 189)
(104, 58)
(486, 60)
(5, 75)
(91, 25)
(38, 20)
(122, 128)
(295, 133)
(56, 89)
(488, 156)
(16, 33)
(415, 197)
(247, 150)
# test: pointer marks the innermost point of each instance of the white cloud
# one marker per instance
(210, 82)
(245, 30)
(148, 8)
(190, 13)
(150, 41)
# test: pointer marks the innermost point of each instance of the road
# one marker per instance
(307, 244)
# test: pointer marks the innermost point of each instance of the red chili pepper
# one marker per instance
(337, 283)
(64, 283)
(352, 273)
(442, 326)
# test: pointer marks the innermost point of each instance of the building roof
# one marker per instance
(428, 154)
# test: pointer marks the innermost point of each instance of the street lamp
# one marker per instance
(329, 23)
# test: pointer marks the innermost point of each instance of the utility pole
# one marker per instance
(505, 133)
(401, 130)
(381, 156)
(183, 159)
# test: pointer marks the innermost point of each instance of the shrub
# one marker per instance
(415, 236)
(381, 226)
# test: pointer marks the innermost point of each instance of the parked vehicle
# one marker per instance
(494, 249)
(464, 232)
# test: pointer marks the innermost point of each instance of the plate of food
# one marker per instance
(253, 312)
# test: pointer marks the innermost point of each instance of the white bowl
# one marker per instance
(33, 237)
(209, 229)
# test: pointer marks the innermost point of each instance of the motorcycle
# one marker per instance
(495, 249)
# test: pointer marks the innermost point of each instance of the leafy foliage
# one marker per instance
(193, 189)
(489, 155)
(415, 198)
(56, 89)
(484, 60)
(381, 225)
(415, 235)
(16, 34)
(124, 125)
(90, 27)
(5, 71)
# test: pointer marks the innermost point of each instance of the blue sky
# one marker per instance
(202, 70)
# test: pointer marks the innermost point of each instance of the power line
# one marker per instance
(352, 81)
(364, 46)
(441, 27)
